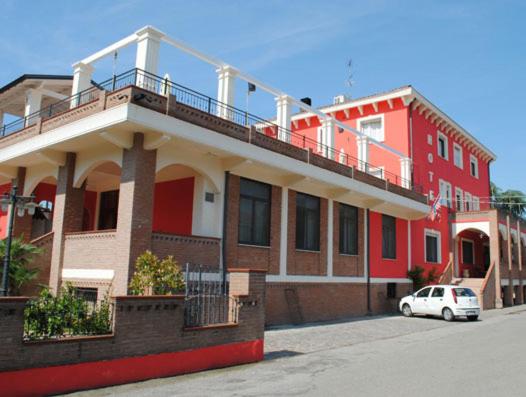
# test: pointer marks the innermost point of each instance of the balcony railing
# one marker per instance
(204, 103)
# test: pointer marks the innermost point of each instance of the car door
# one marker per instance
(420, 303)
(436, 301)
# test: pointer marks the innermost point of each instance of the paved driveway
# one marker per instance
(376, 356)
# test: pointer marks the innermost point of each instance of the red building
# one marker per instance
(331, 202)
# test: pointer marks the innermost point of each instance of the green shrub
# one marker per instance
(22, 254)
(66, 314)
(153, 276)
(417, 275)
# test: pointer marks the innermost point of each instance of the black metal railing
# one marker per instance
(207, 301)
(204, 103)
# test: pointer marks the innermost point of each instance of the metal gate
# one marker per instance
(207, 300)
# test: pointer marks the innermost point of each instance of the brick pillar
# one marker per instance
(135, 214)
(494, 242)
(248, 288)
(67, 216)
(22, 224)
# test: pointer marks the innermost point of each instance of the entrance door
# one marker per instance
(486, 257)
(109, 202)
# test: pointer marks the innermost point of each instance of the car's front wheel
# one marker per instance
(406, 310)
(448, 315)
(473, 318)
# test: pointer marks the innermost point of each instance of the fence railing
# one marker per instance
(204, 103)
(207, 301)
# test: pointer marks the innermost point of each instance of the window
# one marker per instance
(372, 127)
(459, 199)
(388, 237)
(476, 203)
(391, 290)
(463, 292)
(469, 201)
(445, 193)
(457, 155)
(474, 166)
(467, 251)
(424, 293)
(307, 222)
(348, 229)
(432, 246)
(320, 140)
(376, 171)
(342, 157)
(442, 146)
(438, 292)
(254, 213)
(87, 294)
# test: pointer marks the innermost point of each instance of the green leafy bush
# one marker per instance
(22, 254)
(66, 314)
(417, 275)
(153, 276)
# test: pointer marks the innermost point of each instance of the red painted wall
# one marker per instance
(391, 268)
(3, 215)
(67, 378)
(45, 191)
(90, 206)
(173, 206)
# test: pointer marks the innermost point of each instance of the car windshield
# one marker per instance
(464, 292)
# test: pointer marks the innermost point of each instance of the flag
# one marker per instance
(434, 213)
(251, 88)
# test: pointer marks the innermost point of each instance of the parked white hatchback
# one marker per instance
(447, 301)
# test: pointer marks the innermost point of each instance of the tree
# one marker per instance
(153, 276)
(511, 201)
(22, 255)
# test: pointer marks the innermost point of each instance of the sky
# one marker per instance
(467, 57)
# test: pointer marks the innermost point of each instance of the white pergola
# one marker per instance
(148, 40)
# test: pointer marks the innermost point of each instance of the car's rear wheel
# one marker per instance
(473, 318)
(406, 310)
(448, 315)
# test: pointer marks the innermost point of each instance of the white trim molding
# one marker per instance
(367, 119)
(94, 274)
(457, 228)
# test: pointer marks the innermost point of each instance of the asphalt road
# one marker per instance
(383, 356)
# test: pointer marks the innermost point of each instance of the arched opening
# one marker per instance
(101, 197)
(473, 253)
(42, 222)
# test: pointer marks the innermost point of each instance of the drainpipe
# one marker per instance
(368, 261)
(411, 140)
(225, 222)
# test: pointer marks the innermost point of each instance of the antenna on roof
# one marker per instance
(350, 75)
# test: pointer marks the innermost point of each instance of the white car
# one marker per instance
(447, 301)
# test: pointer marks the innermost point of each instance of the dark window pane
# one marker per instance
(424, 293)
(464, 292)
(348, 229)
(467, 252)
(388, 237)
(431, 248)
(109, 203)
(438, 292)
(254, 213)
(307, 222)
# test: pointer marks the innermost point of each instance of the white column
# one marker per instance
(81, 81)
(226, 79)
(33, 103)
(147, 56)
(328, 137)
(283, 247)
(330, 232)
(284, 114)
(405, 172)
(363, 152)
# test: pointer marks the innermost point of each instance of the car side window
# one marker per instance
(423, 293)
(438, 292)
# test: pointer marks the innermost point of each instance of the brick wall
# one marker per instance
(306, 262)
(86, 250)
(252, 257)
(142, 326)
(298, 303)
(193, 249)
